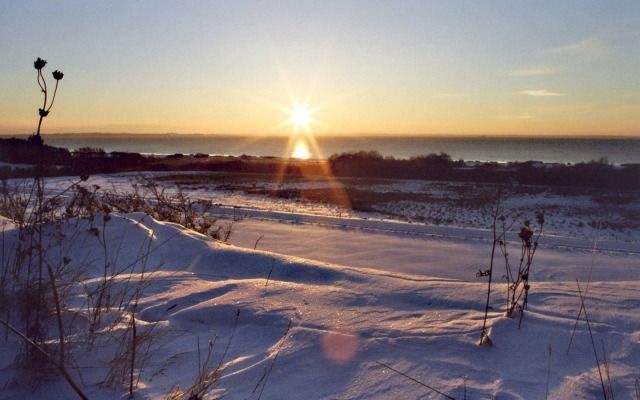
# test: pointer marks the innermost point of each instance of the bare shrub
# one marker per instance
(517, 278)
(38, 280)
(149, 197)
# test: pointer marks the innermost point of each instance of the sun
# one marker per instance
(301, 116)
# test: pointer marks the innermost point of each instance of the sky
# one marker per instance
(360, 67)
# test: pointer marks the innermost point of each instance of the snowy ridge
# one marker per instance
(347, 320)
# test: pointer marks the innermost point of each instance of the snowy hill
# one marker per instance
(364, 306)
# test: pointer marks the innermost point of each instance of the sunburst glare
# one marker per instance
(301, 116)
(302, 144)
(302, 154)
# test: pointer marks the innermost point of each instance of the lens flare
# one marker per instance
(340, 346)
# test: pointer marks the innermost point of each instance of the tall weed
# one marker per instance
(39, 282)
(516, 275)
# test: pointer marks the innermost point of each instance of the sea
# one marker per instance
(616, 151)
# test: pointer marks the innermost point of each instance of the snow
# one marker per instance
(361, 293)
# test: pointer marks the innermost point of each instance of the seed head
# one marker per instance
(39, 63)
(525, 235)
(57, 75)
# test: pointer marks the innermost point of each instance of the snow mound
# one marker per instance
(286, 327)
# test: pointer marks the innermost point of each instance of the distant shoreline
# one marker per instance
(502, 149)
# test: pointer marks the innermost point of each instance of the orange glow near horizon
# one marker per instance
(301, 151)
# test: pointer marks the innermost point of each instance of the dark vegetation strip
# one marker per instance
(363, 164)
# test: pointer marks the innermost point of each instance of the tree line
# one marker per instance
(360, 164)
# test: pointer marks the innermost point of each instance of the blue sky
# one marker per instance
(401, 67)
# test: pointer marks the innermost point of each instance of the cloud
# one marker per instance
(590, 47)
(541, 93)
(535, 71)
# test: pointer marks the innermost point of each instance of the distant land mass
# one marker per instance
(615, 150)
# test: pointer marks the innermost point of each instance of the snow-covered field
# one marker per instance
(335, 304)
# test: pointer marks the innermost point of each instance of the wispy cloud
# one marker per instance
(535, 71)
(521, 117)
(541, 93)
(590, 47)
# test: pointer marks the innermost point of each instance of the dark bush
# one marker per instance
(20, 151)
